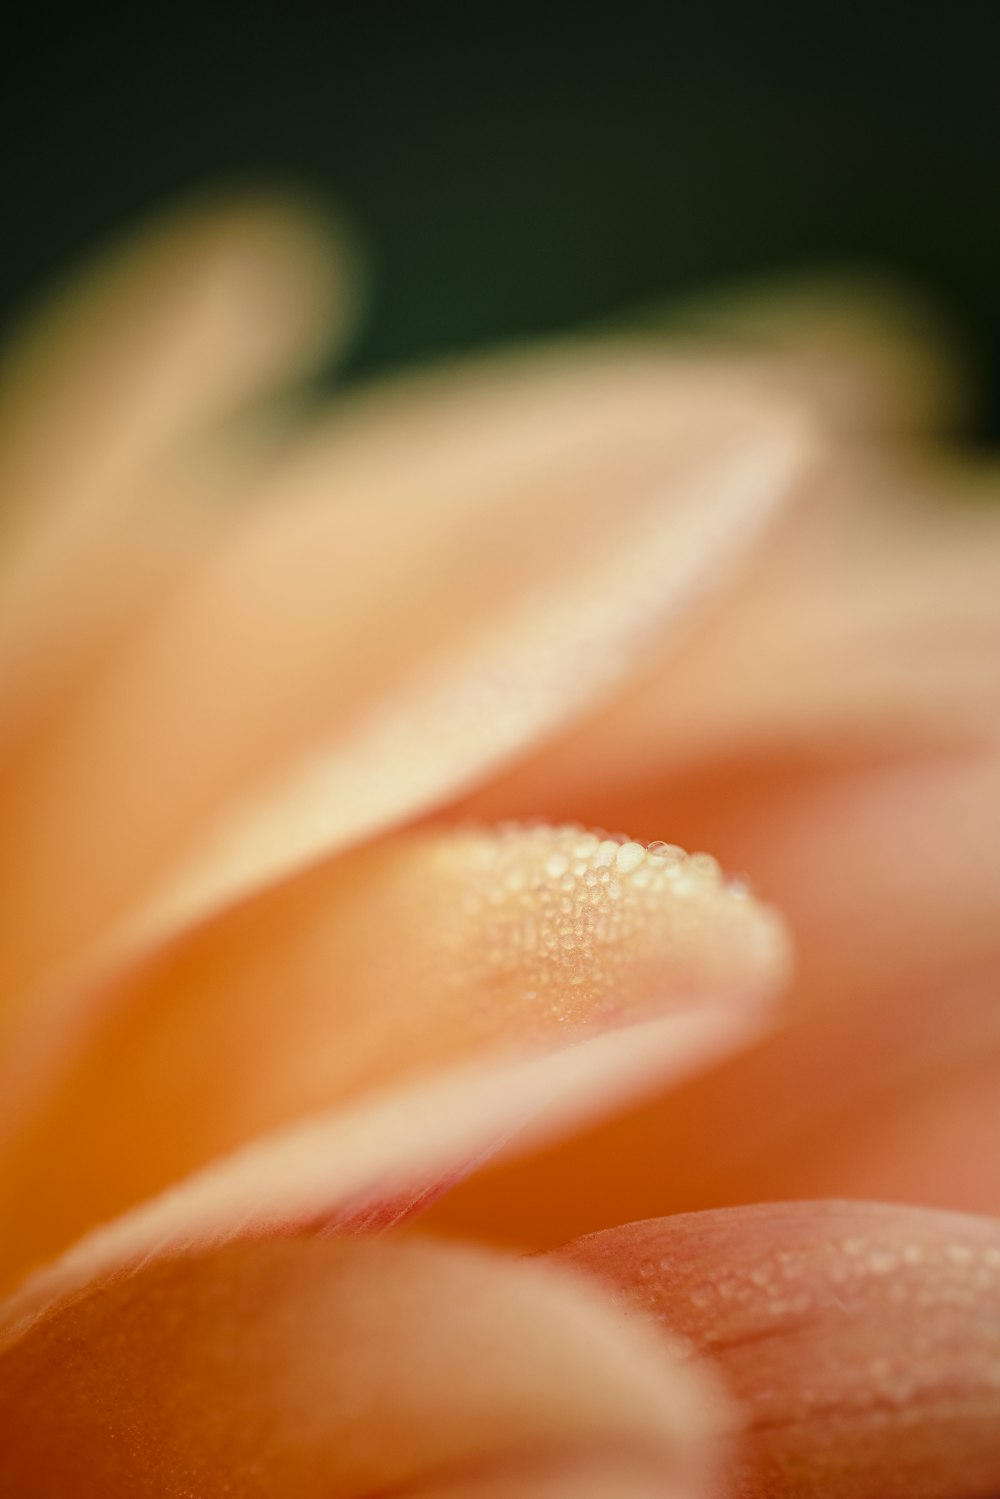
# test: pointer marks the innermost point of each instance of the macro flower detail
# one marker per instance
(862, 1339)
(316, 953)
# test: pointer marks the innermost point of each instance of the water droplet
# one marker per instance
(630, 856)
(670, 853)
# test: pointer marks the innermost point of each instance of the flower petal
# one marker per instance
(868, 626)
(443, 578)
(586, 1473)
(371, 1166)
(183, 327)
(313, 1368)
(431, 951)
(834, 731)
(863, 1341)
(887, 872)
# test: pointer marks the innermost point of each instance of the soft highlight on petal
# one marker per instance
(887, 873)
(368, 1167)
(868, 626)
(591, 1471)
(271, 715)
(425, 952)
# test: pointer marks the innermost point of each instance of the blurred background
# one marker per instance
(519, 168)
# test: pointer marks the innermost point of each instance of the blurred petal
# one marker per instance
(200, 314)
(407, 957)
(863, 1341)
(888, 873)
(872, 352)
(588, 1473)
(920, 1137)
(834, 732)
(369, 1166)
(869, 624)
(443, 578)
(309, 1368)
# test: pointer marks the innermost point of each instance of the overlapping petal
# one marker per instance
(109, 408)
(272, 713)
(887, 873)
(313, 1368)
(386, 968)
(197, 759)
(834, 731)
(863, 1341)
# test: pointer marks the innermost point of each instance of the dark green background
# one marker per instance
(521, 167)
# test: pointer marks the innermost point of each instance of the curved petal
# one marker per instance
(410, 956)
(585, 1473)
(439, 580)
(368, 1167)
(863, 1341)
(874, 353)
(869, 625)
(312, 1368)
(834, 731)
(887, 872)
(197, 316)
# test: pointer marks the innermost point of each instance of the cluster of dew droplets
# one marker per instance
(561, 909)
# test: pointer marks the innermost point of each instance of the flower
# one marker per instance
(312, 722)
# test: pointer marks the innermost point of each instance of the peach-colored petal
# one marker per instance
(887, 872)
(441, 579)
(588, 1472)
(871, 617)
(833, 730)
(312, 1368)
(869, 624)
(183, 327)
(918, 1138)
(862, 1341)
(407, 956)
(369, 1166)
(873, 353)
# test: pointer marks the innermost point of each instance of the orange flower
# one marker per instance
(297, 931)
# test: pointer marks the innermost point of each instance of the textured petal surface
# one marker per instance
(833, 731)
(405, 958)
(888, 873)
(311, 1368)
(863, 1341)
